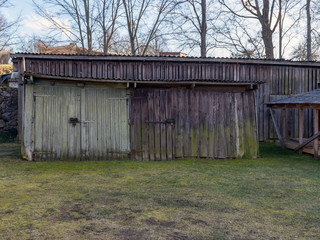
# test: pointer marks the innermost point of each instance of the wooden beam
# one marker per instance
(300, 125)
(126, 81)
(300, 128)
(316, 130)
(276, 128)
(309, 140)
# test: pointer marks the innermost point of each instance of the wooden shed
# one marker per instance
(76, 107)
(302, 102)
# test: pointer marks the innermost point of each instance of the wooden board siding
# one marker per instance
(142, 71)
(208, 124)
(282, 78)
(101, 133)
(285, 81)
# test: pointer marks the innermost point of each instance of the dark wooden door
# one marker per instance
(192, 123)
(152, 124)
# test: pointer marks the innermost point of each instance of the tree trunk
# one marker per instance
(133, 46)
(280, 29)
(309, 52)
(203, 29)
(267, 40)
(87, 23)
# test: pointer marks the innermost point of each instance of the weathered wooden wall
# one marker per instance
(283, 81)
(207, 123)
(281, 78)
(151, 70)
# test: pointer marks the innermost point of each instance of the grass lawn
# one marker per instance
(274, 197)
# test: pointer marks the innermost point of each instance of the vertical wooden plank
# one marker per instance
(71, 128)
(211, 124)
(233, 149)
(83, 133)
(204, 123)
(316, 130)
(157, 130)
(29, 113)
(38, 121)
(46, 121)
(221, 139)
(138, 126)
(151, 127)
(108, 125)
(169, 127)
(284, 127)
(186, 122)
(194, 123)
(162, 118)
(100, 103)
(239, 124)
(116, 117)
(179, 127)
(145, 127)
(125, 124)
(57, 122)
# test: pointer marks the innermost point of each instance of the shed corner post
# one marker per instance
(28, 123)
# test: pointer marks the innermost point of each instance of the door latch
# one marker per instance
(74, 121)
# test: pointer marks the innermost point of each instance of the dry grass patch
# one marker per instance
(273, 197)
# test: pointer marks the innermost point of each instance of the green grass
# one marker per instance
(273, 197)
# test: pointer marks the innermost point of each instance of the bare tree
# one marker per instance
(308, 48)
(108, 13)
(238, 39)
(8, 29)
(4, 3)
(203, 32)
(79, 13)
(289, 10)
(143, 21)
(193, 21)
(267, 12)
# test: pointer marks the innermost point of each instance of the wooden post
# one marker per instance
(316, 130)
(277, 129)
(284, 127)
(300, 125)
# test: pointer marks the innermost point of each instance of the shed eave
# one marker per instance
(149, 82)
(16, 56)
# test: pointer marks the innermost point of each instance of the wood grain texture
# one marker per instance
(102, 130)
(208, 124)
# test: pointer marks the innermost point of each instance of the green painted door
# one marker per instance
(72, 123)
(105, 126)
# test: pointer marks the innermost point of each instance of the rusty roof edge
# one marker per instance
(165, 59)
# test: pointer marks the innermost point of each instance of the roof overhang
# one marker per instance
(189, 83)
(164, 59)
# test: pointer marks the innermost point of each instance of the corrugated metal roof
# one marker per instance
(312, 97)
